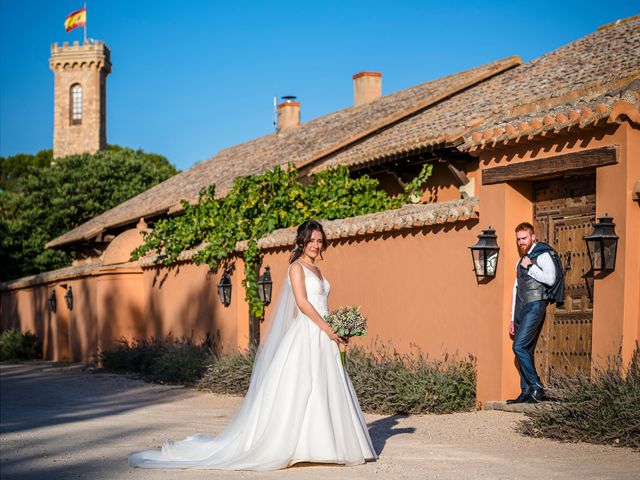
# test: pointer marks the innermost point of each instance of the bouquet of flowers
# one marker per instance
(347, 322)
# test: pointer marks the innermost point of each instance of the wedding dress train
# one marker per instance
(300, 406)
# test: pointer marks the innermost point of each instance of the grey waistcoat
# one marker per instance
(529, 289)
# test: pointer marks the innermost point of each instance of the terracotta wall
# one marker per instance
(66, 335)
(416, 286)
(125, 301)
(183, 301)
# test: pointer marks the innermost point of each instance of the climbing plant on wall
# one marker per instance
(255, 206)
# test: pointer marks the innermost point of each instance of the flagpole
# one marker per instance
(85, 22)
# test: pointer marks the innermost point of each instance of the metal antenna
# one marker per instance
(275, 113)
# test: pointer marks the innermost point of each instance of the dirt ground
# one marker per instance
(67, 423)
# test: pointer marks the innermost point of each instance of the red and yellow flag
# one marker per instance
(76, 19)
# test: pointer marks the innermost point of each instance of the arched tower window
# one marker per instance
(76, 104)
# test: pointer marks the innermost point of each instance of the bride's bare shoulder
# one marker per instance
(295, 268)
(296, 273)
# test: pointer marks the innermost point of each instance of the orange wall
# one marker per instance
(66, 335)
(616, 315)
(410, 290)
(184, 301)
(503, 206)
(120, 306)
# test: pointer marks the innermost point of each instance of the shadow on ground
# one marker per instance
(381, 430)
(35, 395)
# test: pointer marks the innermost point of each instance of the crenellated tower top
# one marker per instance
(80, 92)
(88, 55)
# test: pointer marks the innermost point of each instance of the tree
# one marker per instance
(12, 168)
(45, 201)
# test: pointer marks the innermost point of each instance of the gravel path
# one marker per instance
(66, 423)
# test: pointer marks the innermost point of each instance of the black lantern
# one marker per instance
(485, 254)
(53, 302)
(224, 289)
(602, 245)
(264, 287)
(68, 298)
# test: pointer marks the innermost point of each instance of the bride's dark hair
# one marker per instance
(303, 236)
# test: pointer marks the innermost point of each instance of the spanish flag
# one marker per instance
(76, 19)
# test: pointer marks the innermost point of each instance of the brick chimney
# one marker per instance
(367, 87)
(288, 114)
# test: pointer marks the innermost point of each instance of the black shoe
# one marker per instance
(537, 395)
(522, 398)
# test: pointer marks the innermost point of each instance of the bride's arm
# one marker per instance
(296, 275)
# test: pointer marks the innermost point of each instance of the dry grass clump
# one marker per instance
(605, 410)
(388, 382)
(173, 360)
(229, 374)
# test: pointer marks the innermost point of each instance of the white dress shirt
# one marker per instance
(544, 271)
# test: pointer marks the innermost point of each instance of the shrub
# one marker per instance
(385, 383)
(164, 361)
(15, 345)
(229, 374)
(388, 382)
(604, 410)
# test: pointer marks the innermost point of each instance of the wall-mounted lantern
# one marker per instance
(224, 289)
(485, 254)
(68, 298)
(53, 301)
(602, 245)
(264, 287)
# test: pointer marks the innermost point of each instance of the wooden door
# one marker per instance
(563, 212)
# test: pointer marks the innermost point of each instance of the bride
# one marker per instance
(301, 405)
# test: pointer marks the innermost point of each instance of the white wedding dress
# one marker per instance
(300, 406)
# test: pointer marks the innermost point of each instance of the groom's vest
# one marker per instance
(530, 290)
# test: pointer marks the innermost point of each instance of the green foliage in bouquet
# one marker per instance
(347, 322)
(604, 409)
(257, 205)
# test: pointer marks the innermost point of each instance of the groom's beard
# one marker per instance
(524, 249)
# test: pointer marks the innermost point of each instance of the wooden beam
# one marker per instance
(544, 167)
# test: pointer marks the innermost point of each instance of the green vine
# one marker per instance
(257, 205)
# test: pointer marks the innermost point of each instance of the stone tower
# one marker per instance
(80, 97)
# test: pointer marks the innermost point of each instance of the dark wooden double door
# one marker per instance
(564, 210)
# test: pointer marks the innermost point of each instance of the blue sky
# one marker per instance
(193, 77)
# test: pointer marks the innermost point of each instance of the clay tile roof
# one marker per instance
(314, 139)
(66, 273)
(611, 105)
(599, 68)
(408, 216)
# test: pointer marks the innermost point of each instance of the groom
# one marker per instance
(539, 281)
